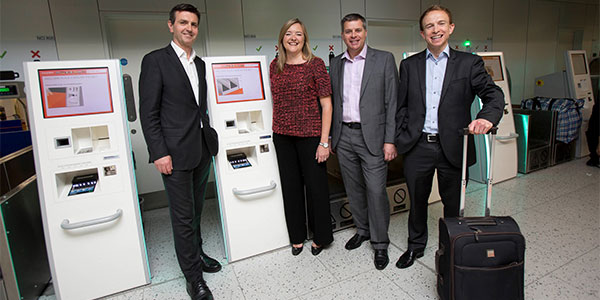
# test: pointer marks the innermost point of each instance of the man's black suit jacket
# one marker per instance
(170, 116)
(465, 77)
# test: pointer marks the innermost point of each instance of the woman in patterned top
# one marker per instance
(299, 83)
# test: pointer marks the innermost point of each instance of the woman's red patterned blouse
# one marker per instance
(296, 93)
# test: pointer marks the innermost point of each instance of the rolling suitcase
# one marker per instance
(479, 257)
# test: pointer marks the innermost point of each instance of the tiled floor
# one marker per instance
(557, 209)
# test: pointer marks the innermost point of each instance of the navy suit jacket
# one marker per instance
(170, 116)
(465, 78)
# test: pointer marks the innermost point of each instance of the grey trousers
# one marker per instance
(364, 178)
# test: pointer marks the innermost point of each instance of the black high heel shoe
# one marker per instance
(316, 250)
(296, 251)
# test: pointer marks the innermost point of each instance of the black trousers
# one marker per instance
(299, 171)
(185, 191)
(420, 164)
(593, 131)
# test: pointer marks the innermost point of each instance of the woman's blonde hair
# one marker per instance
(306, 52)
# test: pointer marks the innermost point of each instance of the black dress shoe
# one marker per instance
(356, 241)
(409, 257)
(296, 251)
(316, 250)
(381, 259)
(198, 291)
(209, 265)
(593, 163)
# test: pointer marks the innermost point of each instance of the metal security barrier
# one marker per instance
(23, 256)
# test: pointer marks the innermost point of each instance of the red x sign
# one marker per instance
(276, 48)
(35, 53)
(330, 47)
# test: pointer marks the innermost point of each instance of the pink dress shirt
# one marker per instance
(353, 72)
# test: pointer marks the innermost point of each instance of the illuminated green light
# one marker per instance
(467, 43)
(4, 89)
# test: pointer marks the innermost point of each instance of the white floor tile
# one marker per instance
(280, 275)
(551, 287)
(170, 290)
(369, 285)
(582, 272)
(343, 263)
(418, 281)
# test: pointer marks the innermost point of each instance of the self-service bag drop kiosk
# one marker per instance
(506, 139)
(575, 83)
(247, 174)
(83, 160)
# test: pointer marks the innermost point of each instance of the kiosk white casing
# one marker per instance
(88, 197)
(247, 174)
(575, 83)
(506, 138)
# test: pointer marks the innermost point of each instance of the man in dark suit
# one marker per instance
(437, 87)
(173, 113)
(365, 88)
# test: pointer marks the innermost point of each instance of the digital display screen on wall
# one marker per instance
(238, 82)
(578, 61)
(75, 92)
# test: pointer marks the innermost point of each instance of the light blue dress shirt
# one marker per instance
(434, 79)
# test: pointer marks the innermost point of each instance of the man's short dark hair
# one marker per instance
(183, 7)
(432, 8)
(354, 17)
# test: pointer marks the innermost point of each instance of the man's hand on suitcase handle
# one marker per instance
(480, 126)
(473, 129)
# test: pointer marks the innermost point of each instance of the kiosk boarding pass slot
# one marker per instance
(238, 160)
(83, 184)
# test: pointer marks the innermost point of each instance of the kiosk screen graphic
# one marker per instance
(493, 66)
(75, 92)
(237, 82)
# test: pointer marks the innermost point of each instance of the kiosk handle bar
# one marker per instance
(66, 225)
(271, 186)
(511, 136)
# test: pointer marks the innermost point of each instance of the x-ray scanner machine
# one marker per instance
(88, 197)
(575, 83)
(247, 174)
(505, 151)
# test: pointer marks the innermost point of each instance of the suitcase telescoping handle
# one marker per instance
(488, 197)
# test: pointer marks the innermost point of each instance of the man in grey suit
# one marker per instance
(365, 88)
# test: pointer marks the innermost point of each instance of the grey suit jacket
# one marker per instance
(378, 99)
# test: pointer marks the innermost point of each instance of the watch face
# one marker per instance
(325, 145)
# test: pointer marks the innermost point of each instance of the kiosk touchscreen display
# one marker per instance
(493, 67)
(74, 92)
(578, 61)
(237, 82)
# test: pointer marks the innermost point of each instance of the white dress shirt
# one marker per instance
(190, 68)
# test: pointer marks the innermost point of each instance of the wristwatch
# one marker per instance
(325, 145)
